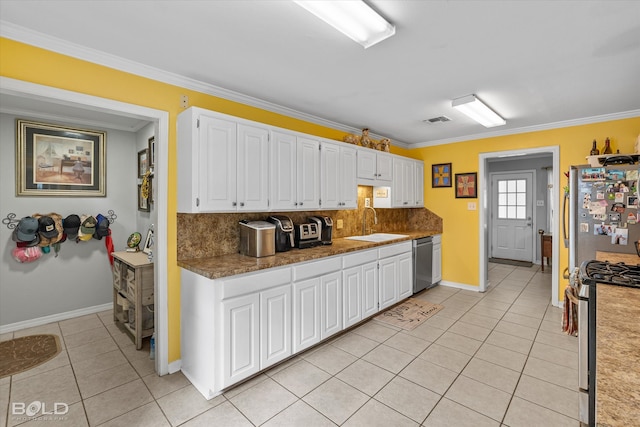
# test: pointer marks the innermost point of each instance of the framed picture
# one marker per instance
(143, 162)
(467, 185)
(148, 242)
(55, 160)
(152, 152)
(632, 202)
(441, 175)
(144, 205)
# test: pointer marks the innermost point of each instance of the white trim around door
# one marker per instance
(161, 119)
(484, 198)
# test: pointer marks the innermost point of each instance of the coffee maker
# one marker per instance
(284, 232)
(325, 224)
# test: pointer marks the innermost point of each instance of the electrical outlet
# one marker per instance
(367, 202)
(339, 224)
(471, 206)
(184, 101)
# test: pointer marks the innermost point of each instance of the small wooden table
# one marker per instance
(545, 248)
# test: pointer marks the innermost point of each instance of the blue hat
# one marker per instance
(27, 229)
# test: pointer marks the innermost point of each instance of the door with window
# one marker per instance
(512, 215)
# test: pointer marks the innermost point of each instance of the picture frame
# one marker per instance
(144, 205)
(143, 162)
(441, 175)
(57, 160)
(632, 202)
(466, 185)
(152, 152)
(148, 242)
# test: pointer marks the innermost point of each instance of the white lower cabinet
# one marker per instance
(275, 325)
(360, 286)
(396, 273)
(317, 302)
(241, 340)
(234, 327)
(437, 258)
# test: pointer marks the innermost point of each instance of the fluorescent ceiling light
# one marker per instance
(481, 113)
(354, 18)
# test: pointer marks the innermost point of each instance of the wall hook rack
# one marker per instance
(11, 222)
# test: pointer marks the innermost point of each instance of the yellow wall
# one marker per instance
(460, 240)
(27, 63)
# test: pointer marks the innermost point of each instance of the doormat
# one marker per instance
(21, 354)
(410, 314)
(511, 262)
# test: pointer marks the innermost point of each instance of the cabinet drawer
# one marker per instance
(316, 268)
(359, 258)
(397, 249)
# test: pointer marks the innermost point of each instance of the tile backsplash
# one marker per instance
(215, 234)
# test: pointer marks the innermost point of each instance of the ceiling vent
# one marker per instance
(440, 119)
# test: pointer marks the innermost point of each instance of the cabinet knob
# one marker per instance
(241, 203)
(234, 204)
(295, 204)
(300, 203)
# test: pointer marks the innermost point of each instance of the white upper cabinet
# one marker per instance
(374, 166)
(223, 164)
(339, 189)
(295, 172)
(419, 176)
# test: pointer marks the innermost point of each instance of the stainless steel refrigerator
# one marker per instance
(603, 211)
(602, 216)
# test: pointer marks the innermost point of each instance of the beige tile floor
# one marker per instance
(491, 359)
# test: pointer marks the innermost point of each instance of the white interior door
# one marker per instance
(512, 215)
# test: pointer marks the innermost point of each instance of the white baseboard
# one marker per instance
(175, 366)
(11, 327)
(460, 286)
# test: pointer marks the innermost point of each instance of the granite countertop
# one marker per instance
(617, 355)
(233, 264)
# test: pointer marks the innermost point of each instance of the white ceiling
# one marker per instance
(536, 63)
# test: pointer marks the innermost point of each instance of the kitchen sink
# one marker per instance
(377, 237)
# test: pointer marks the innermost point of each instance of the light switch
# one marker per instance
(471, 206)
(539, 202)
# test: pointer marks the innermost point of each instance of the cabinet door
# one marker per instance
(366, 164)
(419, 179)
(405, 276)
(388, 282)
(398, 190)
(384, 166)
(283, 171)
(370, 296)
(437, 262)
(330, 175)
(275, 325)
(253, 168)
(306, 314)
(217, 164)
(308, 174)
(352, 296)
(348, 182)
(408, 183)
(331, 317)
(240, 352)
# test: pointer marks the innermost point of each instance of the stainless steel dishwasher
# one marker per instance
(422, 264)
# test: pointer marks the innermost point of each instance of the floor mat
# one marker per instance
(21, 354)
(511, 262)
(410, 314)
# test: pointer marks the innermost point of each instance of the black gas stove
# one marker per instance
(620, 274)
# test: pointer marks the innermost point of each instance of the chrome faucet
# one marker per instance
(364, 219)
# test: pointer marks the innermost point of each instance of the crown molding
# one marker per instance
(24, 35)
(534, 128)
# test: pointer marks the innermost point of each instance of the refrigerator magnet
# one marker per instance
(619, 198)
(631, 218)
(614, 217)
(615, 175)
(600, 217)
(632, 202)
(600, 195)
(593, 174)
(631, 175)
(617, 207)
(584, 227)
